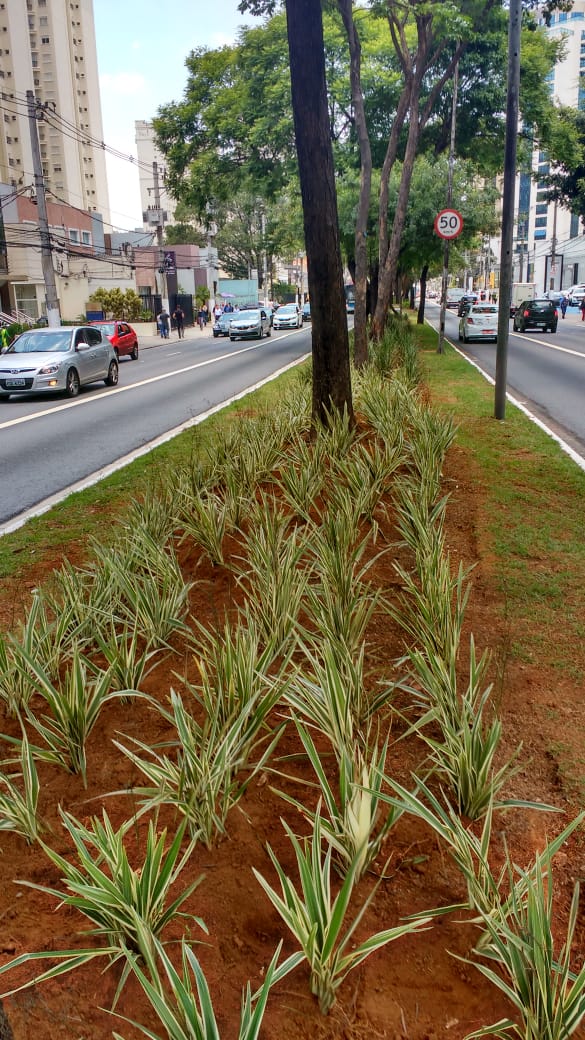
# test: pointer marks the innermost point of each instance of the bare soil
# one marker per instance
(413, 988)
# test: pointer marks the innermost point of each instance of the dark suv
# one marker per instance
(536, 314)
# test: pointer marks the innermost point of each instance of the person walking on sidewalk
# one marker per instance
(202, 317)
(582, 309)
(564, 305)
(164, 322)
(179, 320)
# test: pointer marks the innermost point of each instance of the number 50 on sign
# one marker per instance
(448, 223)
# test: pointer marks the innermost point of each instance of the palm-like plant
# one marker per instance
(18, 808)
(128, 907)
(187, 1013)
(210, 768)
(73, 709)
(354, 825)
(316, 918)
(548, 997)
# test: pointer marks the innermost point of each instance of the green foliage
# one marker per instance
(184, 234)
(121, 305)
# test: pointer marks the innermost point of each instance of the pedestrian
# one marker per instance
(201, 317)
(217, 311)
(564, 305)
(164, 322)
(582, 309)
(179, 320)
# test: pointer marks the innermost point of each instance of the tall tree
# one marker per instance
(331, 370)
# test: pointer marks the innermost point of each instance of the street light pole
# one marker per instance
(506, 257)
(440, 347)
(52, 300)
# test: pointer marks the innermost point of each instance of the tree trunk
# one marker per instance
(420, 317)
(331, 371)
(361, 224)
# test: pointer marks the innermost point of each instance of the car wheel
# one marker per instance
(233, 339)
(112, 376)
(553, 328)
(4, 397)
(261, 332)
(269, 331)
(215, 335)
(72, 383)
(134, 354)
(465, 340)
(460, 337)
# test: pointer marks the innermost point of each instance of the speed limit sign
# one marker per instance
(448, 223)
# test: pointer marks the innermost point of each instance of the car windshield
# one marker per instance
(289, 308)
(108, 328)
(250, 316)
(485, 308)
(57, 342)
(541, 305)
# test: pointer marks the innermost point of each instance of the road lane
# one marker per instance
(48, 446)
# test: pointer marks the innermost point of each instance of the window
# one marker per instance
(74, 235)
(45, 39)
(542, 208)
(540, 222)
(86, 238)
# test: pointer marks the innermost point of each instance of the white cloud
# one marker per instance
(125, 83)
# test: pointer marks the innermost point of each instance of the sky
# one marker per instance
(141, 50)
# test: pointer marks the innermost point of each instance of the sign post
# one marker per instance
(448, 225)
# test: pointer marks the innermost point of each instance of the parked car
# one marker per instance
(576, 294)
(253, 324)
(288, 316)
(122, 337)
(350, 305)
(306, 312)
(222, 324)
(57, 360)
(480, 322)
(536, 314)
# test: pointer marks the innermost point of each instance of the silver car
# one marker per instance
(57, 360)
(250, 325)
(288, 317)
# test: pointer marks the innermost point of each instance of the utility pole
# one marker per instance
(440, 347)
(159, 232)
(51, 298)
(553, 259)
(506, 256)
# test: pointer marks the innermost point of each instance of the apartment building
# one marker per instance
(550, 244)
(49, 47)
(148, 153)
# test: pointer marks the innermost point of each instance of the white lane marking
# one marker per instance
(550, 346)
(133, 386)
(106, 471)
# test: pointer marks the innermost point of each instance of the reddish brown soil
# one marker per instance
(410, 989)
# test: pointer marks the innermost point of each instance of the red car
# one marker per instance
(122, 337)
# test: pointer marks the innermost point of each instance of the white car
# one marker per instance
(575, 294)
(56, 360)
(480, 322)
(288, 317)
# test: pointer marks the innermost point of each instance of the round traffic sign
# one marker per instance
(448, 223)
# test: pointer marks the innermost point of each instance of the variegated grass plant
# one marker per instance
(464, 755)
(355, 824)
(337, 434)
(301, 475)
(19, 801)
(183, 1003)
(128, 656)
(205, 519)
(367, 471)
(317, 919)
(547, 996)
(488, 893)
(210, 766)
(73, 708)
(331, 696)
(271, 571)
(128, 907)
(234, 667)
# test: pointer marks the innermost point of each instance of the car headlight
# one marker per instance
(49, 370)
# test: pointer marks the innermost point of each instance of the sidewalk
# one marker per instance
(192, 333)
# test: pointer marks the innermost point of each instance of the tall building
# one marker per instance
(550, 247)
(148, 154)
(49, 47)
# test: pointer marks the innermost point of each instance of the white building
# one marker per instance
(550, 245)
(49, 47)
(148, 154)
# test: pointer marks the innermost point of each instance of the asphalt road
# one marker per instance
(50, 446)
(545, 371)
